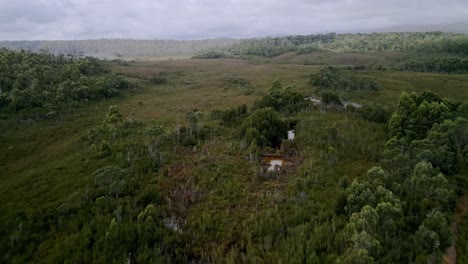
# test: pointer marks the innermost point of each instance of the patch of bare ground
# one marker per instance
(460, 210)
(279, 164)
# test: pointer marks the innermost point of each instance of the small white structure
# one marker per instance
(172, 223)
(345, 104)
(314, 100)
(355, 105)
(291, 134)
(275, 165)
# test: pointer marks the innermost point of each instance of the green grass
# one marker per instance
(330, 57)
(338, 58)
(160, 57)
(452, 86)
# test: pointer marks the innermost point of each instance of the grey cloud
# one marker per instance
(184, 19)
(33, 12)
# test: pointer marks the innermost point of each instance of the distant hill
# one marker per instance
(144, 49)
(114, 48)
(461, 27)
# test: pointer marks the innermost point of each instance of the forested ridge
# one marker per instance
(427, 43)
(424, 42)
(422, 51)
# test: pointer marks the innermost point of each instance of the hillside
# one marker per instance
(461, 27)
(377, 48)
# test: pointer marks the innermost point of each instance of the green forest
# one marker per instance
(239, 155)
(421, 52)
(46, 85)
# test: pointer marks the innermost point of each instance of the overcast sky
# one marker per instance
(195, 19)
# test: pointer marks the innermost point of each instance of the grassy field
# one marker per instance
(43, 162)
(393, 83)
(325, 57)
(160, 58)
(339, 58)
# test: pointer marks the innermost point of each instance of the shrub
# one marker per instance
(158, 79)
(330, 98)
(265, 127)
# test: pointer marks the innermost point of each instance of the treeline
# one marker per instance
(118, 48)
(438, 64)
(333, 78)
(44, 84)
(422, 42)
(401, 212)
(419, 42)
(271, 47)
(449, 65)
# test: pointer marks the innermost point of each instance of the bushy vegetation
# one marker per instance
(283, 99)
(158, 78)
(265, 127)
(232, 116)
(402, 211)
(374, 113)
(462, 243)
(210, 54)
(414, 42)
(270, 47)
(240, 84)
(332, 78)
(45, 84)
(446, 64)
(121, 215)
(422, 64)
(330, 98)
